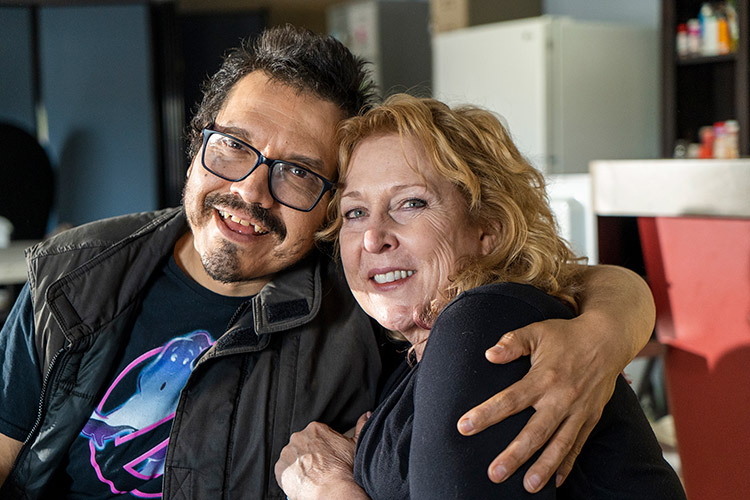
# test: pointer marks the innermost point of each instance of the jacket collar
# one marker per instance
(291, 299)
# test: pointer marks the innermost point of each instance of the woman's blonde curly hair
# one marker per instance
(470, 147)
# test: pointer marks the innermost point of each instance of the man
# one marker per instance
(174, 353)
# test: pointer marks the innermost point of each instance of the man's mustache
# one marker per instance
(259, 214)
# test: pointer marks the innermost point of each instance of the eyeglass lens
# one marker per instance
(290, 184)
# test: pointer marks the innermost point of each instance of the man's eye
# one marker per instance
(354, 213)
(231, 144)
(298, 171)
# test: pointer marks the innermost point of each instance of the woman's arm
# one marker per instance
(454, 375)
(575, 364)
(318, 463)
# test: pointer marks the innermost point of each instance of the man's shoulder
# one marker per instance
(105, 232)
(71, 249)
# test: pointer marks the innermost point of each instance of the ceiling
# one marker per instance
(309, 13)
(198, 4)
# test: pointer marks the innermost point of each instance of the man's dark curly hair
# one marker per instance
(293, 56)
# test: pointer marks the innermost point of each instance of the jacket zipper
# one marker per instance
(41, 410)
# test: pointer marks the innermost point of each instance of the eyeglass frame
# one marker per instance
(262, 159)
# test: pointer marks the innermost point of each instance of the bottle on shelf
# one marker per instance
(707, 138)
(724, 41)
(732, 24)
(709, 31)
(683, 44)
(719, 140)
(731, 139)
(694, 37)
(715, 31)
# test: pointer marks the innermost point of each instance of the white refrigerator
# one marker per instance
(569, 92)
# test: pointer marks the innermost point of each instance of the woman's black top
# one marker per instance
(410, 447)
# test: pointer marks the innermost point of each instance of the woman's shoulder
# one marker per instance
(477, 318)
(454, 376)
(507, 300)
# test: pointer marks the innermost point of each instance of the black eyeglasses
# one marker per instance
(233, 160)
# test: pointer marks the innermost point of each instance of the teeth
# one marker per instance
(234, 218)
(392, 276)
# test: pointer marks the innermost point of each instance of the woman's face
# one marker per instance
(403, 232)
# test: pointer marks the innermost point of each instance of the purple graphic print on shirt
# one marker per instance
(151, 404)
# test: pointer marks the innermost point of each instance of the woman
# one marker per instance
(445, 237)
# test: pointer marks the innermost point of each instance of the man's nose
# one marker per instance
(254, 187)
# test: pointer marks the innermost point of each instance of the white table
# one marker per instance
(13, 262)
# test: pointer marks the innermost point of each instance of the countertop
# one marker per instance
(671, 188)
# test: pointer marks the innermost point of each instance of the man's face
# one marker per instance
(241, 235)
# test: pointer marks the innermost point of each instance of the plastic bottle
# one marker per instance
(719, 140)
(709, 31)
(706, 135)
(731, 139)
(694, 37)
(683, 49)
(724, 40)
(733, 24)
(694, 150)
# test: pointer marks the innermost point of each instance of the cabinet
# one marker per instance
(702, 90)
(392, 35)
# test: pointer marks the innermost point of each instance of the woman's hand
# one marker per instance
(574, 366)
(318, 463)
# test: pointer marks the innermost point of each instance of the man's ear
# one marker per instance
(489, 237)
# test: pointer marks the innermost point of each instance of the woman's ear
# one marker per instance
(489, 237)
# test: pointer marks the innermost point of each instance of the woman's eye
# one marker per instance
(414, 203)
(354, 213)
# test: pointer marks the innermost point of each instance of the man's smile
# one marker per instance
(241, 225)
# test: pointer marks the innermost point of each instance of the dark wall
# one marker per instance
(97, 88)
(16, 83)
(108, 120)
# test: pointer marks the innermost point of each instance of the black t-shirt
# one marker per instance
(121, 449)
(410, 447)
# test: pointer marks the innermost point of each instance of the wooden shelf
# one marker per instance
(690, 60)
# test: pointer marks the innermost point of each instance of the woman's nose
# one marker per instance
(254, 188)
(379, 239)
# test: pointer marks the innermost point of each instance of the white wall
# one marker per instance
(642, 12)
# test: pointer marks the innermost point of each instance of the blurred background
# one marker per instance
(636, 111)
(107, 87)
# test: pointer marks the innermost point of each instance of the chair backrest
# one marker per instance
(27, 183)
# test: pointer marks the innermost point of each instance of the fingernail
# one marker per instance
(496, 349)
(465, 425)
(499, 473)
(559, 480)
(533, 482)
